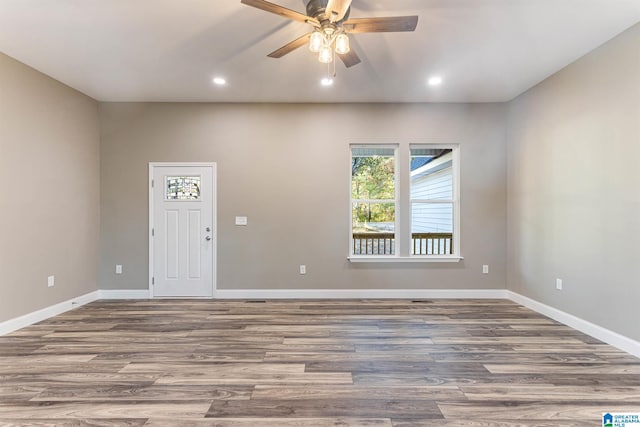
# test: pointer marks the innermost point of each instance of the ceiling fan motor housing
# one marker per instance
(317, 10)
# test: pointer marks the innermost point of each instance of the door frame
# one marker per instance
(214, 220)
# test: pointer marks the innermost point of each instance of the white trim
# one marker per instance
(125, 294)
(360, 293)
(397, 183)
(457, 172)
(14, 324)
(413, 258)
(613, 338)
(152, 165)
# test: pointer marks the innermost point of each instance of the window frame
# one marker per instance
(402, 184)
(454, 201)
(396, 200)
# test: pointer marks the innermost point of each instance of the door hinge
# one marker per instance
(153, 232)
(153, 183)
(153, 280)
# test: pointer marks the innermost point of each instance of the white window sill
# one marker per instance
(384, 258)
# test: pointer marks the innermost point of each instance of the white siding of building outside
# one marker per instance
(428, 217)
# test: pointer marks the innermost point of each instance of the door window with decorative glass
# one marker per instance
(183, 187)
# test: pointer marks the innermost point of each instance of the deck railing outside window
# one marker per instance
(384, 243)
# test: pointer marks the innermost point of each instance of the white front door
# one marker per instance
(183, 234)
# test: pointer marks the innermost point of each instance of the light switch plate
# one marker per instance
(242, 220)
(51, 280)
(118, 269)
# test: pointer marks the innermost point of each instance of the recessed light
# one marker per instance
(219, 81)
(326, 81)
(435, 81)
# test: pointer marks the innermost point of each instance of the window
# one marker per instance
(373, 200)
(432, 201)
(183, 187)
(404, 202)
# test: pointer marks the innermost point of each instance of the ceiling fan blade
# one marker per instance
(350, 58)
(290, 47)
(336, 9)
(389, 24)
(279, 10)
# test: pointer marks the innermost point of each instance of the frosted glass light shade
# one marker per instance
(326, 55)
(316, 41)
(342, 44)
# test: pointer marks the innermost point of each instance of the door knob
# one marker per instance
(207, 229)
(207, 238)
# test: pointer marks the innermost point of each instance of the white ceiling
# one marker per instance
(168, 50)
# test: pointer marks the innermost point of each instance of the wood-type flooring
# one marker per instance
(400, 363)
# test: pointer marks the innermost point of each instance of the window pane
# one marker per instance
(431, 174)
(373, 228)
(431, 228)
(373, 174)
(183, 187)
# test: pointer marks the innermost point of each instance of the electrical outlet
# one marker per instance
(303, 269)
(51, 280)
(118, 269)
(485, 269)
(559, 284)
(242, 220)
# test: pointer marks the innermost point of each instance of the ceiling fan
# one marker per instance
(332, 24)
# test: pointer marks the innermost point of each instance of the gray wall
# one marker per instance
(573, 198)
(564, 155)
(49, 210)
(287, 168)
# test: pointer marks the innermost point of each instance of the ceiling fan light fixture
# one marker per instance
(342, 44)
(316, 41)
(332, 27)
(326, 55)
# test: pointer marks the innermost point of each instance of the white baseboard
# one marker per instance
(613, 338)
(14, 324)
(124, 294)
(360, 293)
